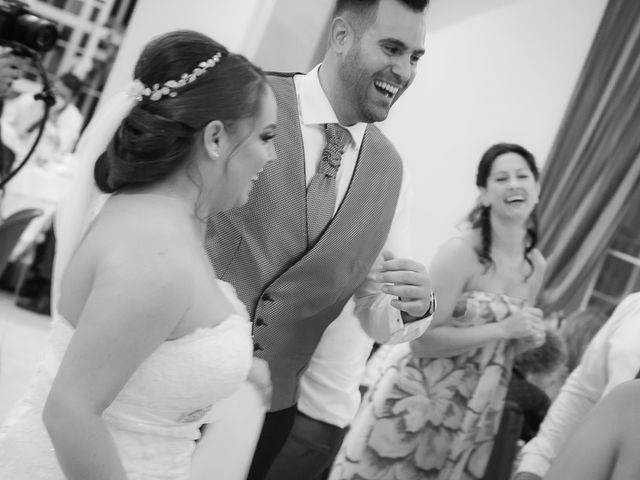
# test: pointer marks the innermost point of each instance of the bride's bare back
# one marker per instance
(154, 232)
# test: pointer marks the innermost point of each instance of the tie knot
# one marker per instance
(337, 137)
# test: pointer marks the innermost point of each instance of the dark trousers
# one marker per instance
(309, 451)
(273, 436)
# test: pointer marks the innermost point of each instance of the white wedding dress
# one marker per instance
(156, 419)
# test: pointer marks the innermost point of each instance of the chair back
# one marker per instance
(10, 231)
(7, 158)
(505, 448)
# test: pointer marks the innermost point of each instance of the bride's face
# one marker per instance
(252, 148)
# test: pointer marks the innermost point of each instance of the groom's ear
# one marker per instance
(341, 35)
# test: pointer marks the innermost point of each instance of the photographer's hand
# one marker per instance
(11, 68)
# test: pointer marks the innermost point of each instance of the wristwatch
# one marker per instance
(432, 305)
(430, 311)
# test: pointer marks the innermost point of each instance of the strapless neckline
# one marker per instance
(156, 417)
(495, 294)
(198, 332)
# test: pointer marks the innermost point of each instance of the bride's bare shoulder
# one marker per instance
(139, 220)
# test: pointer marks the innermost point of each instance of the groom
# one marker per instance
(310, 237)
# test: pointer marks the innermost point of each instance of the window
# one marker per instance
(619, 271)
(90, 34)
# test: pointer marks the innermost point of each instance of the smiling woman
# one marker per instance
(435, 409)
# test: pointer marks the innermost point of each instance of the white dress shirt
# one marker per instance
(329, 389)
(60, 134)
(612, 357)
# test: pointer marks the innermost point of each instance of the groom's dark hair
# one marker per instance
(365, 10)
(366, 7)
(363, 5)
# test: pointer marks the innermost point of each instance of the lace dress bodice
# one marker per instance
(156, 418)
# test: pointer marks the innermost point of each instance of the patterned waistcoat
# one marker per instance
(294, 292)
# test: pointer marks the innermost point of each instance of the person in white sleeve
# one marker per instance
(612, 357)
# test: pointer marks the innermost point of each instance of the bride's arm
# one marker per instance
(135, 302)
(260, 377)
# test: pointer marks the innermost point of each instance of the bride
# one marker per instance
(147, 342)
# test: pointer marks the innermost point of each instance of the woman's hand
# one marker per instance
(525, 324)
(260, 377)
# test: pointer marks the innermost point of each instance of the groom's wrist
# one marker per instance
(408, 318)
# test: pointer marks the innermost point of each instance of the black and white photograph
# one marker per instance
(319, 239)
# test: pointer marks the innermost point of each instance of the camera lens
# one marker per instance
(36, 33)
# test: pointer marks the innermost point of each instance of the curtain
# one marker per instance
(594, 165)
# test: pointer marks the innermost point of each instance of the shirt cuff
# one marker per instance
(431, 309)
(532, 463)
(409, 331)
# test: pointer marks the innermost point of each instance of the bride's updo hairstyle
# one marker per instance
(157, 136)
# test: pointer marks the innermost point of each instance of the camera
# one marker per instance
(18, 24)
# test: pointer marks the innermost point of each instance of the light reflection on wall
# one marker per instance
(295, 35)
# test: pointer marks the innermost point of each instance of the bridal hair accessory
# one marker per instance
(157, 91)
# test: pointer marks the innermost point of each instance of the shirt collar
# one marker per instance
(315, 107)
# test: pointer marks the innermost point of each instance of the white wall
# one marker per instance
(294, 33)
(503, 73)
(495, 70)
(238, 24)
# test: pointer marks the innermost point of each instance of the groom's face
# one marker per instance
(382, 61)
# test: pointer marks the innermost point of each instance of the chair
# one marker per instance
(33, 288)
(7, 159)
(505, 448)
(11, 230)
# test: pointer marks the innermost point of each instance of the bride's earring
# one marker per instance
(211, 139)
(213, 149)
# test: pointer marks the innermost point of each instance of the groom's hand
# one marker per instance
(409, 281)
(260, 377)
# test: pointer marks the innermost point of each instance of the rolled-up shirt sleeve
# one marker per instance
(378, 318)
(383, 322)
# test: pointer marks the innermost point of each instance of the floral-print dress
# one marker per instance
(433, 419)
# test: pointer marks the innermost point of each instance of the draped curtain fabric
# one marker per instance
(594, 166)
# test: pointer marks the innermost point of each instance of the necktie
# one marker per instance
(321, 192)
